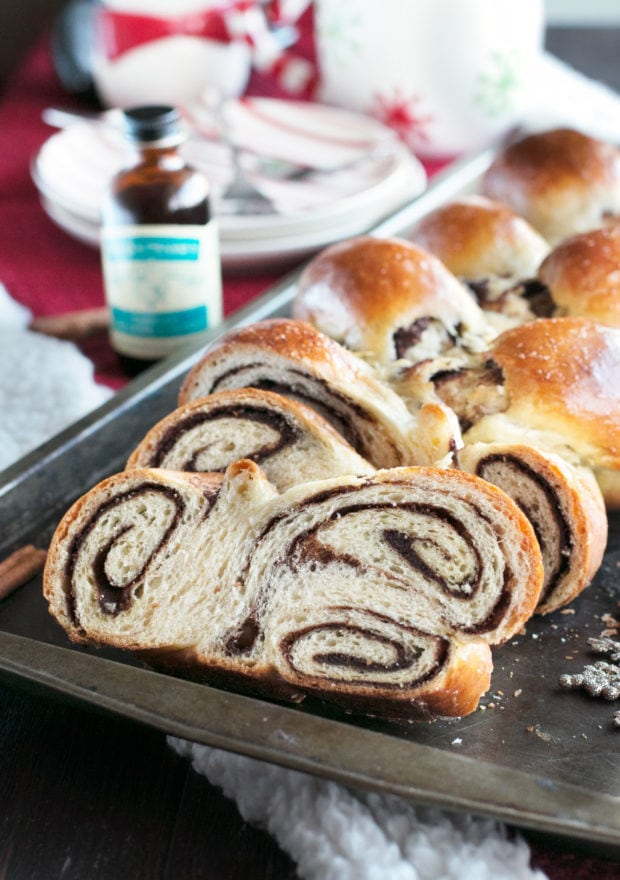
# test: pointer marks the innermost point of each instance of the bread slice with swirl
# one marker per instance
(383, 594)
(564, 505)
(291, 442)
(294, 359)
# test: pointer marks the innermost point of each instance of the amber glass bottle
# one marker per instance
(159, 245)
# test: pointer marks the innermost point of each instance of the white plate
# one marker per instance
(360, 172)
(236, 255)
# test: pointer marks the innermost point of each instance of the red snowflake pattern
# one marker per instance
(401, 113)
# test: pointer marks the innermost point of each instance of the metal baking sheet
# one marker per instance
(533, 755)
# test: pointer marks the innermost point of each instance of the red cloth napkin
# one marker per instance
(46, 270)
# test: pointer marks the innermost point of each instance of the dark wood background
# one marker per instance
(21, 21)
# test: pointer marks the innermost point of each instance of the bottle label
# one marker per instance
(163, 285)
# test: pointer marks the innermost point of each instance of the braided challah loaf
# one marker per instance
(291, 442)
(476, 237)
(382, 594)
(560, 381)
(513, 273)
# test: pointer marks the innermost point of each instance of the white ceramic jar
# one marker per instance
(448, 75)
(165, 52)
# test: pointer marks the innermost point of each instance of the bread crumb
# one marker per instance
(545, 737)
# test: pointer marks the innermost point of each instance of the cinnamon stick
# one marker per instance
(18, 568)
(73, 325)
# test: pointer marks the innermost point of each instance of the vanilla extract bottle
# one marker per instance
(159, 245)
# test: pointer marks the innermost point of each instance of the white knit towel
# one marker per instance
(45, 384)
(334, 833)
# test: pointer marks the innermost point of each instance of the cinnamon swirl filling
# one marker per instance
(268, 433)
(104, 553)
(538, 500)
(349, 418)
(370, 648)
(435, 582)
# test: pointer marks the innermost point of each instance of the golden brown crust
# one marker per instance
(475, 237)
(362, 290)
(562, 181)
(282, 336)
(468, 676)
(563, 375)
(590, 524)
(454, 693)
(583, 275)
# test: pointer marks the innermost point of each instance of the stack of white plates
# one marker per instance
(355, 173)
